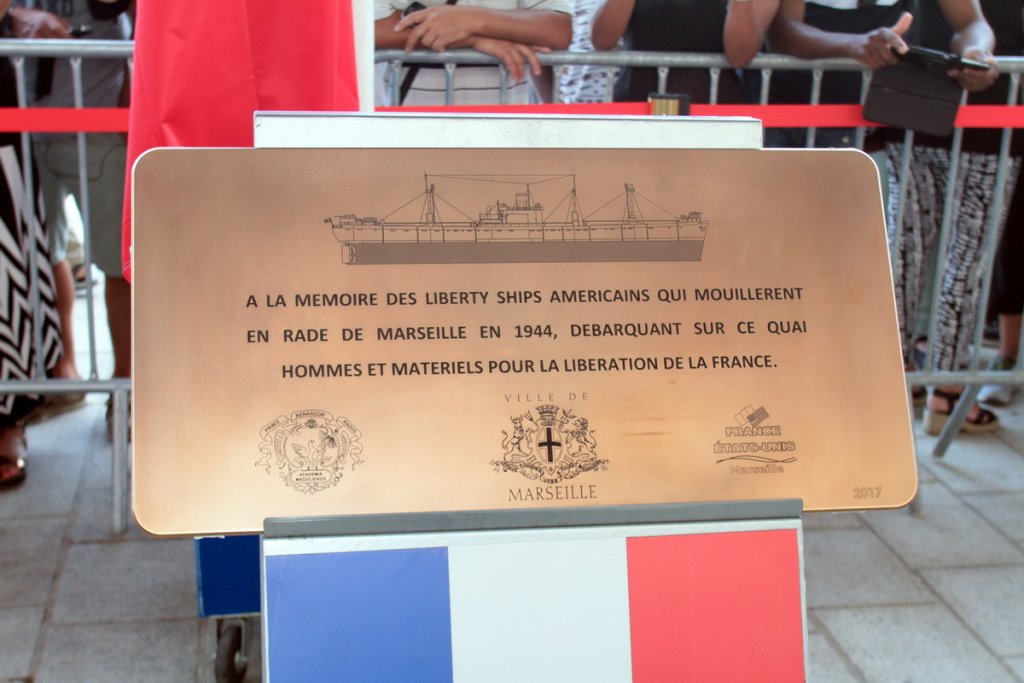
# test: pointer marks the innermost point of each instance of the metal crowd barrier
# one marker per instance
(120, 389)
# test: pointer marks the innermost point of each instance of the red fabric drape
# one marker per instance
(203, 69)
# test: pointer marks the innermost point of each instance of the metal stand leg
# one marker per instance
(119, 473)
(956, 418)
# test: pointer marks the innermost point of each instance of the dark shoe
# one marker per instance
(12, 465)
(934, 419)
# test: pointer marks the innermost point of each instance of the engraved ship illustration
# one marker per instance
(518, 231)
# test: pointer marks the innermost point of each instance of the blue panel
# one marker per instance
(374, 617)
(228, 575)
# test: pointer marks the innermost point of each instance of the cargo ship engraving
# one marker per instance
(518, 231)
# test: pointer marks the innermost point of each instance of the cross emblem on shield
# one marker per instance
(550, 445)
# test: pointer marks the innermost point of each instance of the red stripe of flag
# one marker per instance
(716, 607)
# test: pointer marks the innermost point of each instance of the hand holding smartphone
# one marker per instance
(939, 60)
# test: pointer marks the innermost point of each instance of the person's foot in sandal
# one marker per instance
(942, 401)
(12, 456)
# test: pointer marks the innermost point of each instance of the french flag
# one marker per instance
(645, 603)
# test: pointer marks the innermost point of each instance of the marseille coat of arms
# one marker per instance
(551, 447)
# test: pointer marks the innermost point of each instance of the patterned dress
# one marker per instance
(18, 237)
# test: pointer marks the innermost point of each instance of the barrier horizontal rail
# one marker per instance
(124, 49)
(75, 47)
(636, 58)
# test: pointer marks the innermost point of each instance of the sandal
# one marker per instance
(934, 420)
(12, 466)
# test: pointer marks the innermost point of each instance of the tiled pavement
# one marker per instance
(893, 596)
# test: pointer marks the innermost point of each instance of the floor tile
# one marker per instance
(1011, 421)
(847, 567)
(49, 488)
(127, 580)
(945, 533)
(94, 519)
(925, 475)
(990, 600)
(978, 464)
(19, 630)
(1004, 510)
(29, 555)
(912, 644)
(31, 538)
(825, 664)
(27, 583)
(1016, 665)
(141, 652)
(832, 520)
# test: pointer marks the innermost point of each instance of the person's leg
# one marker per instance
(906, 244)
(12, 454)
(54, 190)
(106, 194)
(118, 294)
(107, 153)
(1009, 335)
(961, 285)
(1007, 299)
(66, 367)
(911, 240)
(13, 444)
(75, 248)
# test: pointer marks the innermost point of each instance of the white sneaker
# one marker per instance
(998, 394)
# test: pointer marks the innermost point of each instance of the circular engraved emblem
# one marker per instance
(310, 449)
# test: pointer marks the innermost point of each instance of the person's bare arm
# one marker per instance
(972, 38)
(384, 35)
(746, 27)
(790, 35)
(36, 23)
(515, 56)
(446, 26)
(610, 22)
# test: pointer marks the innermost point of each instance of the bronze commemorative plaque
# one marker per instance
(354, 331)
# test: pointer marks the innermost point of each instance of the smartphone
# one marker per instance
(414, 7)
(80, 30)
(939, 60)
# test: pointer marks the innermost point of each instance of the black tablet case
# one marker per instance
(919, 98)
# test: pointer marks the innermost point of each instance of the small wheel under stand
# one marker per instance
(231, 660)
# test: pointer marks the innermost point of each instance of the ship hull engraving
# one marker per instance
(520, 232)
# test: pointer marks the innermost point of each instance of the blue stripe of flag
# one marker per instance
(375, 617)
